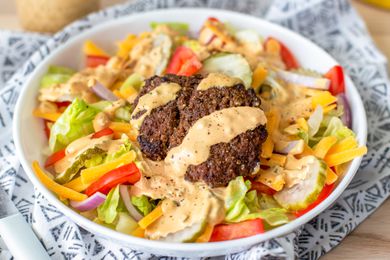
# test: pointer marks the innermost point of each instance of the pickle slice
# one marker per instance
(189, 234)
(233, 65)
(302, 194)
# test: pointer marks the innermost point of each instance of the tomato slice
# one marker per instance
(247, 228)
(336, 77)
(63, 104)
(288, 58)
(326, 191)
(55, 157)
(213, 19)
(184, 62)
(262, 188)
(103, 132)
(94, 61)
(128, 173)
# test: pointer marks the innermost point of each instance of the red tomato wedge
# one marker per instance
(288, 58)
(63, 104)
(336, 77)
(184, 62)
(128, 174)
(55, 157)
(262, 188)
(213, 19)
(103, 132)
(94, 61)
(247, 228)
(326, 191)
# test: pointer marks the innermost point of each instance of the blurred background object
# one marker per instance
(49, 16)
(385, 4)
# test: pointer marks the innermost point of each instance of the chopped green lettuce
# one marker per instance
(268, 202)
(274, 216)
(51, 79)
(303, 135)
(193, 45)
(107, 212)
(242, 204)
(331, 126)
(98, 221)
(80, 162)
(272, 212)
(122, 113)
(53, 69)
(124, 148)
(101, 105)
(143, 204)
(336, 128)
(126, 224)
(135, 80)
(75, 122)
(338, 112)
(181, 28)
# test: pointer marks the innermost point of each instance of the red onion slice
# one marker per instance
(88, 204)
(103, 92)
(346, 117)
(304, 81)
(124, 191)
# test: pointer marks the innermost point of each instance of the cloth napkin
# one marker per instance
(332, 24)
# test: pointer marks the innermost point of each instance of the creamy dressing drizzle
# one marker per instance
(296, 104)
(217, 80)
(218, 127)
(296, 170)
(157, 97)
(151, 54)
(187, 203)
(81, 145)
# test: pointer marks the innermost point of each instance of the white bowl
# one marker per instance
(30, 140)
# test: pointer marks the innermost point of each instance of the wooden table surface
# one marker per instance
(371, 240)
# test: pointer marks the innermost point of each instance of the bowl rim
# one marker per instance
(185, 247)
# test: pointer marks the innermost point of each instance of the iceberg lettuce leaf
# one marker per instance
(181, 28)
(75, 122)
(107, 212)
(274, 216)
(126, 224)
(242, 204)
(336, 128)
(143, 204)
(124, 148)
(56, 75)
(239, 203)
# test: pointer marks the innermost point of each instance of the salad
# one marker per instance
(194, 138)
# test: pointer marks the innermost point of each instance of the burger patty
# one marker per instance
(158, 128)
(167, 125)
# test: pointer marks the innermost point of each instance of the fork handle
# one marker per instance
(20, 239)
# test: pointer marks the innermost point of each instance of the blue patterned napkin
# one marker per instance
(332, 24)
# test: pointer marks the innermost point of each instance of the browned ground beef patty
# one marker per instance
(166, 127)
